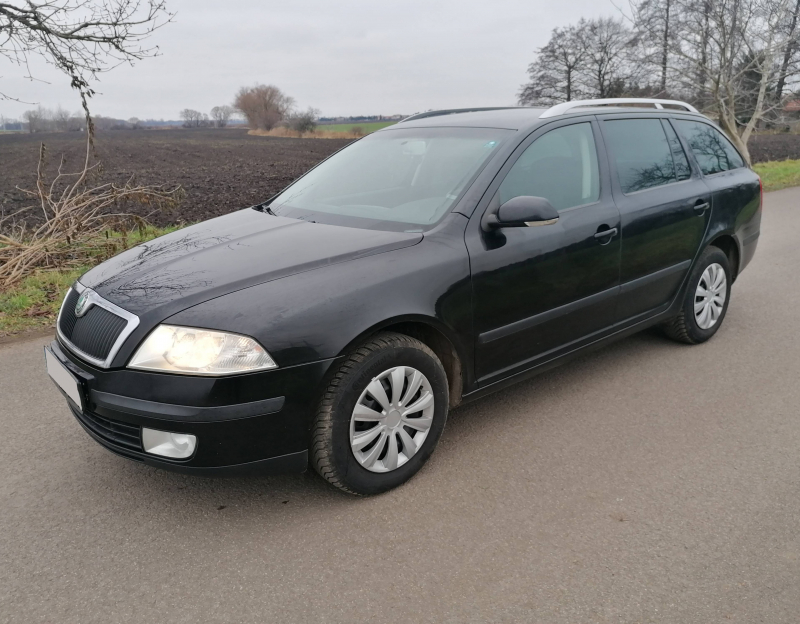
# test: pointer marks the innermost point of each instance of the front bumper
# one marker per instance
(252, 423)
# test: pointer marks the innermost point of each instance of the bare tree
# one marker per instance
(82, 38)
(264, 106)
(222, 115)
(728, 53)
(62, 120)
(654, 23)
(789, 52)
(191, 118)
(595, 58)
(554, 75)
(610, 60)
(36, 119)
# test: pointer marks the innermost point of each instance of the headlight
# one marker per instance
(193, 351)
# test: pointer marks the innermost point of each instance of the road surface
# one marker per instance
(648, 482)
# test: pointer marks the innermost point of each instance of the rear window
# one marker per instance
(713, 151)
(642, 154)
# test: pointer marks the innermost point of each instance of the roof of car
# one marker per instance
(512, 118)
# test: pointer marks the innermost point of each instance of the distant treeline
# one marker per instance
(359, 119)
(43, 119)
(261, 107)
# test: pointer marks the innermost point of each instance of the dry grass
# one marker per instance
(76, 214)
(316, 134)
(34, 301)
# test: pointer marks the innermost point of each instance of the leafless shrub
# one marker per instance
(76, 214)
(304, 122)
(357, 131)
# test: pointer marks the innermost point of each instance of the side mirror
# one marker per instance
(522, 211)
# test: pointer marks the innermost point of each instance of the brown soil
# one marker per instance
(220, 170)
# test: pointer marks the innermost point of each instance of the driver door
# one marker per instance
(540, 291)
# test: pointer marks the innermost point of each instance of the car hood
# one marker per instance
(225, 254)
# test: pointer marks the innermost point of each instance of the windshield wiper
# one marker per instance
(267, 209)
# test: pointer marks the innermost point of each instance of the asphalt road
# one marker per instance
(649, 482)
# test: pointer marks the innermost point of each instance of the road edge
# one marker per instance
(27, 336)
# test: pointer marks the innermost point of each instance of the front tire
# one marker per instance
(380, 416)
(706, 300)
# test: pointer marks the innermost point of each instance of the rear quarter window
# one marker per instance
(712, 150)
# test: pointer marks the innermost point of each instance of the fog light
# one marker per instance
(175, 445)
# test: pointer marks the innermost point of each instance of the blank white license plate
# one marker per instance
(63, 378)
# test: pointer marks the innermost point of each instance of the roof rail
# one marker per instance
(561, 109)
(453, 111)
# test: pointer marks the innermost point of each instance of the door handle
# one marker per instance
(701, 206)
(604, 233)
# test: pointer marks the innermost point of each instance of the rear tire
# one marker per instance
(706, 301)
(365, 444)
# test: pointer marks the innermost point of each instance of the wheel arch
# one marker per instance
(436, 337)
(727, 243)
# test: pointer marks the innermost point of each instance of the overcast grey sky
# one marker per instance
(349, 57)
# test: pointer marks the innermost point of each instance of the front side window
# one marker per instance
(402, 180)
(714, 152)
(560, 166)
(642, 154)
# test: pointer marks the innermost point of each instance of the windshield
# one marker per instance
(405, 180)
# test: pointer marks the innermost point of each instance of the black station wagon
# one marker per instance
(428, 264)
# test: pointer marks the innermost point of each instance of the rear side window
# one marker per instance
(560, 166)
(714, 152)
(641, 152)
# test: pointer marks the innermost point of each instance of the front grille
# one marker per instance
(68, 318)
(114, 432)
(95, 332)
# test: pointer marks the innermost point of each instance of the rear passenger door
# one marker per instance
(735, 188)
(664, 209)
